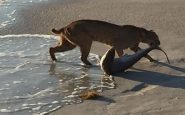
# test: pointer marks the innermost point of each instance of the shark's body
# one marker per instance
(110, 65)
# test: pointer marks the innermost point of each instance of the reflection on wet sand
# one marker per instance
(85, 78)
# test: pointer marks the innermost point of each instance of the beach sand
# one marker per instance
(148, 88)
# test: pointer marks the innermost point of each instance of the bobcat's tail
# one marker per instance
(57, 31)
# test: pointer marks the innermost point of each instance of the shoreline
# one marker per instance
(140, 89)
(42, 17)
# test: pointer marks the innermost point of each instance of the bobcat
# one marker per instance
(83, 32)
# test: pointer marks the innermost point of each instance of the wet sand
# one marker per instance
(148, 88)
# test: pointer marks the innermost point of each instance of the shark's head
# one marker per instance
(107, 61)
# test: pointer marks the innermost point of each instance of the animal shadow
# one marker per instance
(171, 66)
(155, 78)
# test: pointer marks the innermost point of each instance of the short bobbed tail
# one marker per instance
(56, 31)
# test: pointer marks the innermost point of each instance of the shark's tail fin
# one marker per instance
(164, 53)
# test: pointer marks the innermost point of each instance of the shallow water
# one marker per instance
(8, 9)
(31, 84)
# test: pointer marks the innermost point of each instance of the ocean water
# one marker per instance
(8, 9)
(30, 83)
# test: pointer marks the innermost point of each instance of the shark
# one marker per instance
(111, 65)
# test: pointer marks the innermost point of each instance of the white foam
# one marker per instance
(13, 19)
(2, 54)
(36, 108)
(41, 93)
(28, 55)
(19, 97)
(11, 14)
(3, 24)
(47, 112)
(43, 45)
(55, 102)
(2, 89)
(82, 88)
(71, 96)
(28, 36)
(4, 110)
(24, 105)
(7, 84)
(67, 101)
(22, 65)
(18, 82)
(24, 108)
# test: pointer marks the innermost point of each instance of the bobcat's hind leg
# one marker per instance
(65, 46)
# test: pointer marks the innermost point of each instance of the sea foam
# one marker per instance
(28, 36)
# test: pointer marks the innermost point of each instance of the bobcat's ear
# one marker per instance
(151, 30)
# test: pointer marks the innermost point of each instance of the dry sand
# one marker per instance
(160, 87)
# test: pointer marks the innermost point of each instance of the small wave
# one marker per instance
(18, 82)
(2, 54)
(2, 89)
(29, 36)
(36, 54)
(47, 112)
(5, 23)
(22, 65)
(5, 110)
